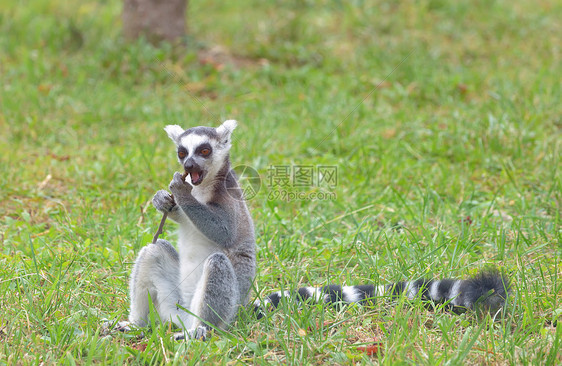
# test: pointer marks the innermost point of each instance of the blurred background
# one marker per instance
(443, 119)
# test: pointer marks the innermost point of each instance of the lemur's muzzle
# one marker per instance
(194, 171)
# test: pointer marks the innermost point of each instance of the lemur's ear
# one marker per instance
(225, 130)
(174, 132)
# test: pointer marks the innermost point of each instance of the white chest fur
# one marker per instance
(193, 248)
(203, 194)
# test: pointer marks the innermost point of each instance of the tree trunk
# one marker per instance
(156, 19)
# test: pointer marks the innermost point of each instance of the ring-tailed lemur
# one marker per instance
(487, 291)
(211, 272)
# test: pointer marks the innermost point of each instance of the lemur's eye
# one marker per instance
(205, 151)
(182, 154)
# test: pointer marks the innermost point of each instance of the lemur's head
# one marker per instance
(202, 151)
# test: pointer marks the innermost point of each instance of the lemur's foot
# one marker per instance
(196, 333)
(163, 201)
(121, 326)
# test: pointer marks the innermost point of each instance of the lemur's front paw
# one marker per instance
(163, 201)
(179, 188)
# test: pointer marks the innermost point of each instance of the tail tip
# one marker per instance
(489, 291)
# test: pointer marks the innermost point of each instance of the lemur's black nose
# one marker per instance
(189, 165)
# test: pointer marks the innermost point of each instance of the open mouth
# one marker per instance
(196, 177)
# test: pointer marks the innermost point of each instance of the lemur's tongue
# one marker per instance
(194, 177)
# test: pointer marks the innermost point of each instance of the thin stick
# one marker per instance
(159, 231)
(164, 216)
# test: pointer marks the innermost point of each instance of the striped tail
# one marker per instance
(486, 291)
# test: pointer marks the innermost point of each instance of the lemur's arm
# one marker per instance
(212, 220)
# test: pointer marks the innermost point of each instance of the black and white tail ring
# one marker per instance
(487, 291)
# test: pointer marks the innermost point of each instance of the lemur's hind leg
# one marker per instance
(156, 272)
(215, 301)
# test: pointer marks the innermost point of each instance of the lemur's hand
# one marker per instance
(179, 188)
(163, 201)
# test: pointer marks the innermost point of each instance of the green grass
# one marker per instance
(432, 111)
